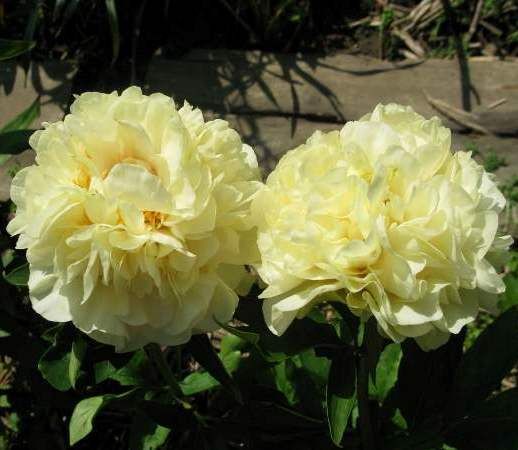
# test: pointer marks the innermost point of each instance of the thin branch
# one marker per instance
(474, 21)
(464, 118)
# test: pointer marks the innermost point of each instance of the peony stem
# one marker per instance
(156, 355)
(362, 389)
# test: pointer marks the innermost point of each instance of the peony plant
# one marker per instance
(135, 218)
(143, 224)
(383, 217)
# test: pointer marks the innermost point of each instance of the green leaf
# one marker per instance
(488, 360)
(128, 369)
(14, 142)
(54, 366)
(106, 362)
(387, 369)
(60, 364)
(301, 335)
(24, 119)
(203, 352)
(374, 343)
(284, 375)
(510, 297)
(11, 48)
(51, 333)
(114, 28)
(7, 257)
(18, 276)
(137, 372)
(248, 336)
(198, 382)
(76, 358)
(317, 367)
(340, 396)
(492, 425)
(231, 343)
(145, 434)
(81, 422)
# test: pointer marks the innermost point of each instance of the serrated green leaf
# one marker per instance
(24, 119)
(340, 396)
(12, 48)
(18, 276)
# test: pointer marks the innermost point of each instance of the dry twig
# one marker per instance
(474, 21)
(464, 118)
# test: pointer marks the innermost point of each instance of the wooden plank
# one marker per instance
(326, 88)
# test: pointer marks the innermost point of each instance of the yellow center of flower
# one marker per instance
(154, 219)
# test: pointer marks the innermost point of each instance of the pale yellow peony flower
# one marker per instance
(382, 216)
(136, 219)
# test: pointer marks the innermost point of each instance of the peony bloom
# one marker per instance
(383, 217)
(136, 219)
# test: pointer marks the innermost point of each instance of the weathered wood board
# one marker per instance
(328, 88)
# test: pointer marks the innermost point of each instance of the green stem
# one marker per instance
(362, 388)
(156, 355)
